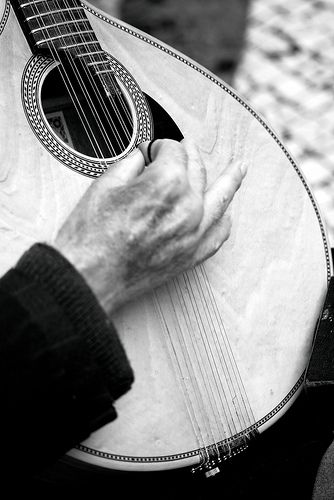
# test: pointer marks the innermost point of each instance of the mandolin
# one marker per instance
(219, 352)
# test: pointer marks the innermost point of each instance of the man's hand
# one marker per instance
(135, 228)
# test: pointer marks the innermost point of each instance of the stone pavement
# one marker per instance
(287, 75)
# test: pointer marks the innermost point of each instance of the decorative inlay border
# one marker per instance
(192, 453)
(5, 16)
(32, 79)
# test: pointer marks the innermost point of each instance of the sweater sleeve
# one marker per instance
(62, 364)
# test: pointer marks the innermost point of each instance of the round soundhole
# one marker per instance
(88, 112)
(89, 125)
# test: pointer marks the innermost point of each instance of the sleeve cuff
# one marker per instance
(47, 267)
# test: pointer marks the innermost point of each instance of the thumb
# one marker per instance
(158, 147)
(147, 150)
(127, 169)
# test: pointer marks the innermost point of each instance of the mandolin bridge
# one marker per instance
(215, 456)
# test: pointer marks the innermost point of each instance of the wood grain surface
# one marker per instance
(256, 301)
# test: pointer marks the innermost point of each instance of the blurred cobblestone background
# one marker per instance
(278, 54)
(287, 74)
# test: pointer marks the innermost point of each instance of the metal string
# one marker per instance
(214, 367)
(198, 406)
(68, 85)
(207, 355)
(219, 351)
(196, 362)
(86, 92)
(233, 363)
(180, 377)
(208, 349)
(108, 95)
(69, 57)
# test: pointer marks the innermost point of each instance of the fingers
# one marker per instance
(216, 223)
(126, 170)
(151, 149)
(144, 149)
(179, 158)
(214, 239)
(196, 168)
(164, 150)
(220, 195)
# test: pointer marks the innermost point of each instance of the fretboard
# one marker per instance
(57, 25)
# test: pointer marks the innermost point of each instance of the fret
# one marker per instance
(51, 13)
(86, 54)
(78, 45)
(104, 71)
(60, 37)
(32, 10)
(52, 9)
(65, 4)
(97, 63)
(28, 4)
(56, 25)
(62, 30)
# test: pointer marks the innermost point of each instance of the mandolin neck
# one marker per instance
(55, 27)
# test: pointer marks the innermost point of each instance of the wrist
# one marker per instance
(93, 270)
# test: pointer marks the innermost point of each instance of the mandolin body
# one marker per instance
(245, 318)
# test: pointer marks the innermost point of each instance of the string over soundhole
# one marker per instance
(86, 105)
(93, 114)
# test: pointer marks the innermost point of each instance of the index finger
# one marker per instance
(219, 196)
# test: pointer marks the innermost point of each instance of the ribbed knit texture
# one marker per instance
(61, 362)
(324, 483)
(46, 266)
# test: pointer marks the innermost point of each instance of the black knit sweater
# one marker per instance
(61, 362)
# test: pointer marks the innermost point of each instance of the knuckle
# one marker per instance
(222, 205)
(178, 179)
(174, 178)
(171, 148)
(194, 208)
(189, 215)
(197, 215)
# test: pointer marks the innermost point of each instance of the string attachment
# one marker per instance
(214, 457)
